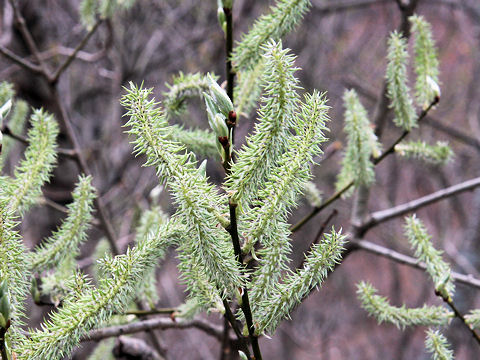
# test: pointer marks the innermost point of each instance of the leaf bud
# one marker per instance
(219, 97)
(5, 109)
(4, 310)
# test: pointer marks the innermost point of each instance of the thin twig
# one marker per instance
(107, 226)
(355, 244)
(151, 324)
(233, 230)
(27, 36)
(60, 151)
(319, 234)
(19, 61)
(72, 57)
(379, 217)
(166, 311)
(459, 315)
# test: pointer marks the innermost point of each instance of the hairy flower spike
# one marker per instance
(200, 142)
(14, 271)
(150, 222)
(287, 181)
(72, 233)
(90, 10)
(398, 90)
(35, 169)
(438, 154)
(362, 144)
(284, 16)
(438, 346)
(401, 317)
(183, 88)
(426, 62)
(92, 306)
(276, 116)
(198, 201)
(248, 88)
(285, 296)
(438, 270)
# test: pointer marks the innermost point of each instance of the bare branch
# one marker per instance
(151, 324)
(400, 258)
(388, 214)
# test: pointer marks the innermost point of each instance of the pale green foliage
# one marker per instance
(219, 107)
(13, 265)
(439, 270)
(35, 169)
(397, 88)
(6, 92)
(90, 10)
(438, 154)
(248, 88)
(149, 222)
(438, 346)
(89, 306)
(262, 150)
(313, 194)
(286, 295)
(184, 87)
(286, 181)
(208, 245)
(284, 16)
(426, 62)
(401, 317)
(473, 318)
(103, 351)
(16, 124)
(72, 233)
(190, 308)
(200, 142)
(362, 144)
(55, 284)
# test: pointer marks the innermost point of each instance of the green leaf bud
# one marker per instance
(3, 288)
(5, 109)
(4, 310)
(221, 18)
(219, 97)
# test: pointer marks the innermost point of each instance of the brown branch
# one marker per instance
(355, 244)
(19, 61)
(341, 6)
(73, 56)
(379, 217)
(60, 151)
(319, 234)
(27, 36)
(459, 315)
(152, 324)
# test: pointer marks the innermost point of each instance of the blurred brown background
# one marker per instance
(340, 44)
